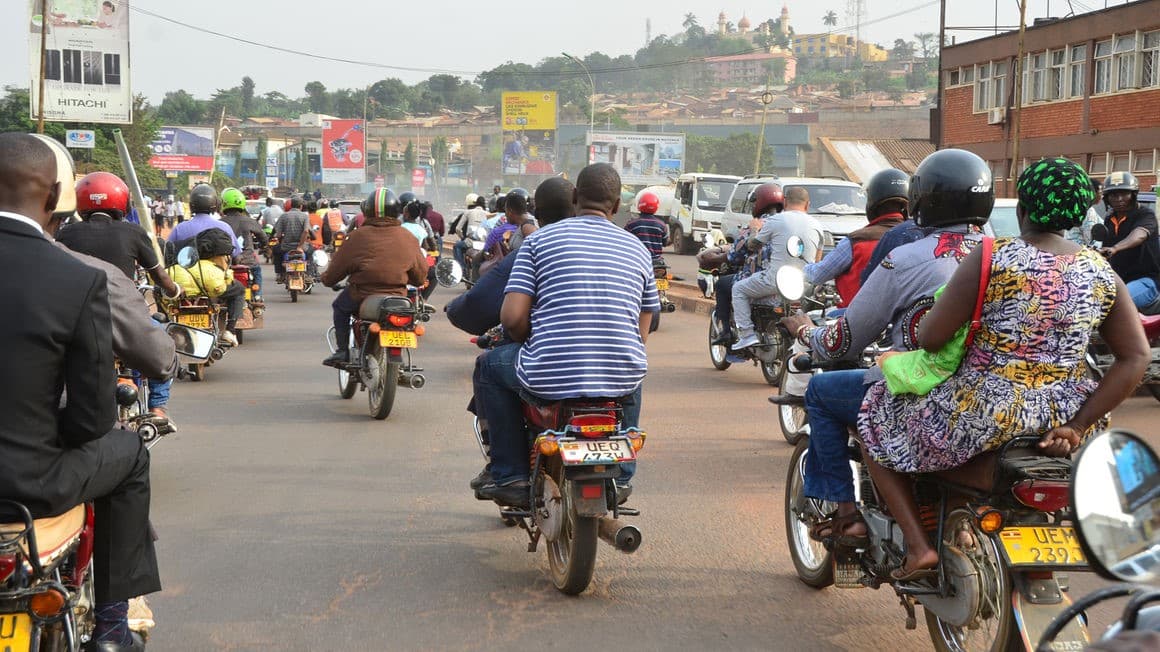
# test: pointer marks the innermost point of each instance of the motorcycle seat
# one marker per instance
(549, 415)
(55, 535)
(377, 306)
(994, 471)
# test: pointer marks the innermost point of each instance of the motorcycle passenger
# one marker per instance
(271, 213)
(578, 305)
(947, 197)
(1025, 371)
(245, 227)
(379, 258)
(435, 219)
(332, 223)
(518, 211)
(474, 216)
(1131, 245)
(651, 230)
(775, 230)
(886, 201)
(291, 230)
(53, 458)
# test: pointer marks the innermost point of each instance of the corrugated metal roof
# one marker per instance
(860, 159)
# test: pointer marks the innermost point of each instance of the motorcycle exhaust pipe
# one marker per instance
(625, 538)
(412, 380)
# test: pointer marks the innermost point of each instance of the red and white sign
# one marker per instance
(343, 151)
(380, 182)
(418, 180)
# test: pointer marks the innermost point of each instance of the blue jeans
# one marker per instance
(1143, 291)
(833, 399)
(498, 390)
(724, 296)
(460, 252)
(256, 278)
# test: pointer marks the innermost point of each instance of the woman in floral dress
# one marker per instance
(1025, 371)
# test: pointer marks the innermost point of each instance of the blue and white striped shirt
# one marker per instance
(589, 280)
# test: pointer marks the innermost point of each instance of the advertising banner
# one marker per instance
(640, 158)
(183, 149)
(344, 151)
(529, 132)
(80, 138)
(86, 65)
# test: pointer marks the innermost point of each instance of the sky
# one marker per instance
(459, 36)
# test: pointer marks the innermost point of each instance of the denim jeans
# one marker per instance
(1143, 291)
(724, 290)
(460, 252)
(833, 399)
(498, 390)
(256, 278)
(343, 309)
(159, 393)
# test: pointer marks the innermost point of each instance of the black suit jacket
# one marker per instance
(55, 337)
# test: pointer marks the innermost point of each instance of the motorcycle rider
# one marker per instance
(52, 457)
(651, 230)
(203, 203)
(886, 202)
(740, 260)
(1131, 245)
(379, 258)
(332, 223)
(775, 230)
(291, 231)
(245, 227)
(952, 195)
(271, 213)
(474, 216)
(579, 332)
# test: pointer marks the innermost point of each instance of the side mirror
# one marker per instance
(187, 257)
(795, 247)
(1115, 499)
(1099, 232)
(791, 282)
(448, 272)
(190, 342)
(241, 242)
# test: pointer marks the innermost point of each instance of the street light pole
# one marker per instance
(591, 98)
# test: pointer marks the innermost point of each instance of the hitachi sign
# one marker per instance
(91, 104)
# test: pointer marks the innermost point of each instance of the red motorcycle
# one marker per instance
(1100, 358)
(251, 317)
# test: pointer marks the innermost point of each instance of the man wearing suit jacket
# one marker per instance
(57, 340)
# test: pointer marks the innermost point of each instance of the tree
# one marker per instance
(926, 43)
(903, 49)
(410, 157)
(830, 19)
(247, 96)
(181, 108)
(391, 96)
(690, 21)
(440, 153)
(316, 97)
(263, 148)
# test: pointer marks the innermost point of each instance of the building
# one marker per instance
(753, 69)
(826, 46)
(857, 159)
(1091, 93)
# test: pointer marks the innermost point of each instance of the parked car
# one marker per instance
(838, 204)
(349, 208)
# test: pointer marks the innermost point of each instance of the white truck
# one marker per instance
(698, 204)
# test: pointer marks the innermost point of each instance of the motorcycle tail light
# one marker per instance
(7, 567)
(991, 521)
(400, 320)
(637, 437)
(255, 287)
(1046, 496)
(374, 328)
(547, 445)
(593, 426)
(420, 330)
(47, 604)
(591, 491)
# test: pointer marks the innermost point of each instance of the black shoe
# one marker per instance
(514, 494)
(136, 645)
(724, 339)
(623, 491)
(787, 399)
(338, 359)
(483, 478)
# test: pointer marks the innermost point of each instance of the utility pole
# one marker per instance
(942, 39)
(44, 14)
(766, 98)
(1017, 72)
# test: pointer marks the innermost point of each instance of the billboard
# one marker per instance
(344, 151)
(86, 64)
(529, 132)
(183, 149)
(641, 158)
(80, 138)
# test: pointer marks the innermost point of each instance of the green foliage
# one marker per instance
(732, 155)
(316, 97)
(440, 152)
(181, 108)
(410, 157)
(263, 148)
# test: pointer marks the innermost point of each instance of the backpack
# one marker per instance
(213, 242)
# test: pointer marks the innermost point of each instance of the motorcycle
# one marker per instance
(663, 277)
(1002, 530)
(1113, 501)
(46, 580)
(382, 337)
(252, 316)
(271, 249)
(198, 313)
(476, 238)
(296, 279)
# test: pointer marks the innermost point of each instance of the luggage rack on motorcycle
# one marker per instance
(21, 543)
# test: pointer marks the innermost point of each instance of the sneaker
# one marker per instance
(483, 478)
(338, 359)
(723, 339)
(623, 491)
(745, 342)
(513, 494)
(228, 338)
(787, 399)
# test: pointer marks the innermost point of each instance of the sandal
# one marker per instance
(834, 528)
(901, 574)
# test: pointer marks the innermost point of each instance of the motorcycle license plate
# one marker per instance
(296, 267)
(662, 284)
(195, 320)
(295, 283)
(596, 451)
(1042, 546)
(15, 632)
(398, 339)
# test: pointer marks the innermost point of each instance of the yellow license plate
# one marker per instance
(15, 632)
(296, 267)
(1042, 546)
(193, 319)
(249, 294)
(295, 283)
(398, 339)
(662, 284)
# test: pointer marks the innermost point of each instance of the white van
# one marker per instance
(838, 204)
(700, 202)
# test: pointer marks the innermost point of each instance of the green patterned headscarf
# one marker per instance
(1055, 193)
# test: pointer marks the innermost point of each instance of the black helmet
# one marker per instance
(500, 201)
(203, 199)
(885, 185)
(333, 203)
(951, 186)
(407, 198)
(517, 199)
(1122, 181)
(381, 203)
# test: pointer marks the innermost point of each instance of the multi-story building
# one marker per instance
(752, 69)
(1090, 92)
(825, 46)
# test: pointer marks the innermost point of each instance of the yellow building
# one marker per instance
(835, 45)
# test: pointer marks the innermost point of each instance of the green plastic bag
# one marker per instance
(918, 372)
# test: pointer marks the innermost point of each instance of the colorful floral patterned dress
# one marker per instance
(1024, 374)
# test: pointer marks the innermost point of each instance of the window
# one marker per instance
(999, 169)
(1103, 60)
(1150, 60)
(1078, 69)
(968, 74)
(1144, 161)
(953, 77)
(1099, 165)
(1034, 78)
(991, 86)
(1056, 77)
(1120, 162)
(1125, 62)
(999, 84)
(983, 87)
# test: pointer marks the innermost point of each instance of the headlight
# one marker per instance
(791, 283)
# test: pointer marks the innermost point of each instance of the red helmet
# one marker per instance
(648, 203)
(104, 192)
(286, 206)
(766, 197)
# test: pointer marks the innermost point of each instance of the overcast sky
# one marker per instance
(465, 36)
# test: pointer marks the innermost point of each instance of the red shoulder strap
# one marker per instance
(984, 280)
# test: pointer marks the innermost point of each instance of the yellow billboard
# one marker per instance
(528, 110)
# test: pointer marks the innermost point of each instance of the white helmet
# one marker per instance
(471, 199)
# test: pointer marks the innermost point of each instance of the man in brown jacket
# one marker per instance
(380, 258)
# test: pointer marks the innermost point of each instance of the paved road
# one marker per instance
(312, 527)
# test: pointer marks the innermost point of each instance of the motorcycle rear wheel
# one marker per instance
(792, 419)
(813, 563)
(996, 629)
(718, 353)
(293, 296)
(771, 369)
(384, 383)
(572, 556)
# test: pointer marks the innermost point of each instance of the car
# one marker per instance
(350, 208)
(1003, 223)
(254, 207)
(838, 204)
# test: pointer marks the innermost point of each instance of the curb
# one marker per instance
(688, 298)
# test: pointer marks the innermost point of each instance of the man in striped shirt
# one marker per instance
(580, 300)
(651, 230)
